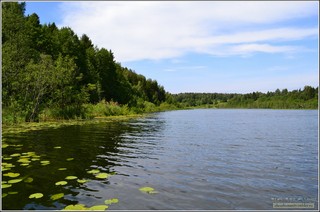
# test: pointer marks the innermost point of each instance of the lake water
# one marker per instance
(194, 159)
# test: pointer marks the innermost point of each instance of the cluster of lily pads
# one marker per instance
(25, 159)
(95, 207)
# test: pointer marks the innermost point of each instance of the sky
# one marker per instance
(202, 46)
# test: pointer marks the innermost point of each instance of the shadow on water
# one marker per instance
(50, 155)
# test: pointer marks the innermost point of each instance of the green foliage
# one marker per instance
(296, 99)
(50, 73)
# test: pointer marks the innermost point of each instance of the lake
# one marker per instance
(193, 159)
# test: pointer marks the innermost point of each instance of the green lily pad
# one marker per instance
(44, 161)
(71, 177)
(12, 192)
(15, 155)
(111, 201)
(36, 196)
(14, 181)
(61, 183)
(8, 165)
(4, 146)
(102, 175)
(75, 207)
(98, 208)
(4, 195)
(24, 160)
(7, 158)
(62, 169)
(57, 196)
(148, 190)
(70, 159)
(82, 181)
(6, 186)
(57, 147)
(34, 159)
(28, 180)
(11, 174)
(93, 171)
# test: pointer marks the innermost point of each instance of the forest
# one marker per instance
(50, 74)
(284, 99)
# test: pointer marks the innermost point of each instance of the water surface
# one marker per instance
(194, 159)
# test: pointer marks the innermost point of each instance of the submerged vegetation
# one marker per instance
(51, 74)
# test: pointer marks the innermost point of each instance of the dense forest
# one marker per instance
(50, 73)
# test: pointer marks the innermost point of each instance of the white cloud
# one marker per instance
(159, 30)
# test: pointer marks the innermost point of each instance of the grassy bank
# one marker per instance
(14, 121)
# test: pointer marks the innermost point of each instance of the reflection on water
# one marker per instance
(199, 159)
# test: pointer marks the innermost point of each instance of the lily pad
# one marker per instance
(102, 175)
(7, 158)
(24, 160)
(111, 201)
(57, 147)
(14, 181)
(98, 208)
(93, 171)
(75, 207)
(12, 192)
(15, 155)
(28, 180)
(11, 174)
(36, 196)
(61, 183)
(4, 146)
(62, 169)
(82, 181)
(71, 177)
(4, 195)
(70, 159)
(148, 190)
(57, 196)
(8, 165)
(6, 186)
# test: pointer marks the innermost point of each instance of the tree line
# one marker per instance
(44, 67)
(306, 98)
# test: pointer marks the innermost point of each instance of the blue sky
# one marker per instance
(229, 47)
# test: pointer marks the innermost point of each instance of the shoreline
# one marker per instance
(30, 126)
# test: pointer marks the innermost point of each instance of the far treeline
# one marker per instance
(284, 99)
(50, 73)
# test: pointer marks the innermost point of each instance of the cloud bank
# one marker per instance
(161, 30)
